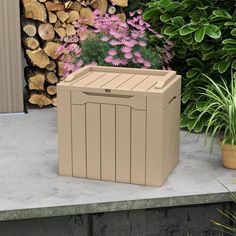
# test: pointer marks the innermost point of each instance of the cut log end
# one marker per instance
(40, 99)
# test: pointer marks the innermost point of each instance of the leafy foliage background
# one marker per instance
(204, 37)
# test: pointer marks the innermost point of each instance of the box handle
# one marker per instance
(108, 95)
(171, 100)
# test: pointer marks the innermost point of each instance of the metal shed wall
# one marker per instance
(11, 88)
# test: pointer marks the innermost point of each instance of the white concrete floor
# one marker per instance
(30, 186)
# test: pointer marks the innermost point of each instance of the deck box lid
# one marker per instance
(125, 79)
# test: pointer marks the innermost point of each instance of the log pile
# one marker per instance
(44, 22)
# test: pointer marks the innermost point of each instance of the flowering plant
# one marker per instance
(112, 42)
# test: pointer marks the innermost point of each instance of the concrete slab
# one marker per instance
(31, 188)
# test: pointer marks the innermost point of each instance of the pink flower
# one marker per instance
(126, 49)
(79, 64)
(116, 62)
(123, 62)
(112, 52)
(128, 55)
(140, 60)
(114, 42)
(105, 38)
(140, 11)
(147, 64)
(109, 59)
(142, 44)
(138, 54)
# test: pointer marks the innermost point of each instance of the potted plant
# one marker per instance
(220, 104)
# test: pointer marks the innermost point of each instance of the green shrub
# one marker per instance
(204, 37)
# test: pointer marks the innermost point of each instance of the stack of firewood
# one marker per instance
(44, 22)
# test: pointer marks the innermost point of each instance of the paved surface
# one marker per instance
(31, 188)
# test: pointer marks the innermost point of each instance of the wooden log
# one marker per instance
(51, 50)
(101, 5)
(61, 32)
(121, 3)
(40, 99)
(46, 31)
(29, 27)
(51, 66)
(30, 43)
(34, 10)
(35, 79)
(111, 10)
(73, 16)
(68, 4)
(38, 57)
(70, 30)
(87, 14)
(62, 16)
(52, 17)
(51, 78)
(52, 6)
(76, 6)
(122, 16)
(58, 24)
(51, 90)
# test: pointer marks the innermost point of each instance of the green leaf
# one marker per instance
(233, 32)
(192, 72)
(195, 62)
(200, 34)
(234, 64)
(164, 3)
(164, 18)
(184, 122)
(188, 39)
(234, 75)
(178, 21)
(170, 31)
(186, 29)
(221, 14)
(201, 105)
(186, 95)
(191, 124)
(224, 65)
(210, 55)
(213, 31)
(172, 6)
(229, 42)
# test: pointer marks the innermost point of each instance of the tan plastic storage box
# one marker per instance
(119, 124)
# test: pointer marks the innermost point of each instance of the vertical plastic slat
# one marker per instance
(64, 133)
(154, 141)
(93, 141)
(79, 141)
(108, 142)
(123, 144)
(138, 149)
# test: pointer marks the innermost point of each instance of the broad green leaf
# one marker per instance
(233, 32)
(195, 62)
(210, 55)
(172, 6)
(192, 72)
(184, 122)
(186, 95)
(222, 13)
(164, 18)
(188, 39)
(170, 31)
(191, 124)
(213, 31)
(201, 105)
(200, 34)
(178, 21)
(229, 42)
(185, 30)
(234, 64)
(164, 3)
(224, 65)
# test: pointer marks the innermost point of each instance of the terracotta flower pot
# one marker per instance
(228, 153)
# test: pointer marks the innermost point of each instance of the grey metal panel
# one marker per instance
(11, 88)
